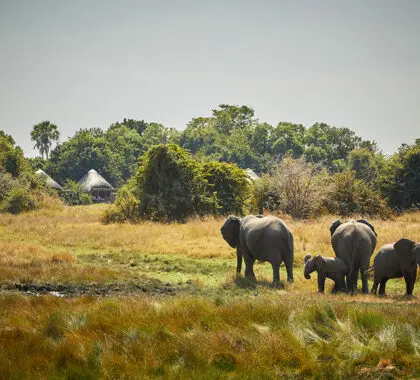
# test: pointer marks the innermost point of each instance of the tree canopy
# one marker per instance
(44, 134)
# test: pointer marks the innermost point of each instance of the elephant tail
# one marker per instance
(291, 245)
(370, 269)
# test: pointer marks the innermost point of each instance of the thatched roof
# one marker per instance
(251, 174)
(92, 180)
(50, 181)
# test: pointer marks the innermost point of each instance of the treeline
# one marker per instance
(232, 134)
(330, 158)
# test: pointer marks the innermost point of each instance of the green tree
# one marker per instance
(44, 134)
(170, 185)
(87, 149)
(228, 184)
(400, 178)
(288, 138)
(11, 156)
(364, 164)
(228, 117)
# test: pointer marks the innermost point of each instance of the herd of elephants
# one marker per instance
(267, 238)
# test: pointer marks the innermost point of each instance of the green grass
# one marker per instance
(163, 301)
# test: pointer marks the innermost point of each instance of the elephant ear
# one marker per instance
(368, 224)
(319, 261)
(404, 247)
(307, 257)
(334, 226)
(230, 230)
(417, 253)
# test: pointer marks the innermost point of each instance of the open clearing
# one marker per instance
(79, 299)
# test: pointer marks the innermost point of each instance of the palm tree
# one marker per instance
(44, 133)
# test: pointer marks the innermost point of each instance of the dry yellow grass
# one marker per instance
(215, 327)
(80, 227)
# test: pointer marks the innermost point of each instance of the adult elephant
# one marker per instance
(260, 238)
(354, 242)
(396, 260)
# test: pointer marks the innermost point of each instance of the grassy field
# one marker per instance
(79, 299)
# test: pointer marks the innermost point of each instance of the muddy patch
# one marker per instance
(113, 289)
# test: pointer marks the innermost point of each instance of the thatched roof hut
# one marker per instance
(49, 180)
(100, 189)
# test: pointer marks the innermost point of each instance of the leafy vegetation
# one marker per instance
(20, 189)
(73, 194)
(44, 134)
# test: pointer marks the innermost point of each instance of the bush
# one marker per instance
(229, 184)
(301, 186)
(170, 185)
(265, 195)
(73, 194)
(126, 207)
(353, 196)
(19, 199)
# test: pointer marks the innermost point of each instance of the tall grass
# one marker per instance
(189, 337)
(214, 326)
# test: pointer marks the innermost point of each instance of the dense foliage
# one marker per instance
(73, 194)
(113, 153)
(171, 185)
(20, 189)
(306, 171)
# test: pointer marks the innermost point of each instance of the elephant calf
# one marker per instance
(327, 267)
(394, 261)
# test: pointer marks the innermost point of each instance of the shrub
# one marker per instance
(126, 207)
(73, 194)
(170, 185)
(19, 199)
(229, 184)
(353, 196)
(301, 186)
(265, 195)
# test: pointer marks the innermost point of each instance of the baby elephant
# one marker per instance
(396, 260)
(331, 267)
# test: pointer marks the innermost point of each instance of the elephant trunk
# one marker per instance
(238, 260)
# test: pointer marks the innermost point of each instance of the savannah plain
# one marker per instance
(84, 300)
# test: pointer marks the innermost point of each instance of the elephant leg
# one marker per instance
(238, 260)
(375, 286)
(288, 262)
(321, 283)
(410, 279)
(340, 285)
(249, 267)
(365, 276)
(276, 275)
(352, 282)
(382, 286)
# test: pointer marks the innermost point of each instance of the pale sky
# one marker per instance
(83, 64)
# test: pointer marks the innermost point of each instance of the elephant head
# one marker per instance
(230, 230)
(368, 224)
(334, 226)
(312, 265)
(408, 252)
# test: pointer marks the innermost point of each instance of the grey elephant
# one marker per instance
(354, 242)
(260, 238)
(327, 267)
(394, 261)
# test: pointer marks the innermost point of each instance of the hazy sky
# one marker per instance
(83, 64)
